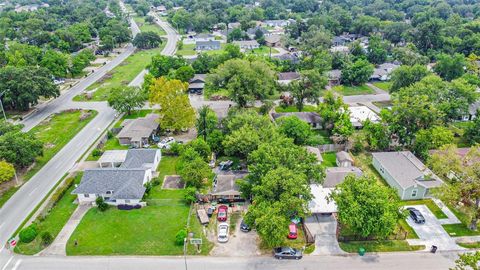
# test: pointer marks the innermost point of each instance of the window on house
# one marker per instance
(127, 201)
(414, 193)
(86, 195)
(109, 192)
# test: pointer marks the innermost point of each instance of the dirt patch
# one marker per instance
(105, 77)
(173, 182)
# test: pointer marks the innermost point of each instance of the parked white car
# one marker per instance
(222, 232)
(166, 143)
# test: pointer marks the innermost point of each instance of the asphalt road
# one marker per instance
(390, 261)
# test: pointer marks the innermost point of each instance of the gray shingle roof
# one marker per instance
(336, 175)
(288, 76)
(344, 156)
(136, 158)
(406, 169)
(125, 183)
(136, 129)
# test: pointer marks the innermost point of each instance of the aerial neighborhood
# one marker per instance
(203, 133)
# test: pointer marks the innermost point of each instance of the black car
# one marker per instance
(287, 253)
(416, 215)
(244, 227)
(210, 211)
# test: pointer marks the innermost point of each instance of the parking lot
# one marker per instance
(431, 232)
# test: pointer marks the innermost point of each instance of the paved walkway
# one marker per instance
(452, 219)
(324, 229)
(58, 247)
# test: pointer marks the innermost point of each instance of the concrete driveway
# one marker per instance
(239, 244)
(324, 229)
(431, 232)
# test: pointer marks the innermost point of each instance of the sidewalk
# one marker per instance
(58, 247)
(452, 219)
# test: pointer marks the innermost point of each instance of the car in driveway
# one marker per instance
(166, 143)
(222, 213)
(244, 227)
(292, 231)
(287, 253)
(222, 232)
(416, 216)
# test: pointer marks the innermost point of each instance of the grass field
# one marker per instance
(55, 133)
(147, 27)
(122, 75)
(378, 246)
(459, 230)
(385, 86)
(353, 90)
(329, 159)
(306, 108)
(187, 49)
(52, 222)
(470, 245)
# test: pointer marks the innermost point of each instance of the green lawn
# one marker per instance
(364, 162)
(430, 204)
(306, 108)
(470, 245)
(147, 27)
(187, 49)
(353, 90)
(382, 104)
(411, 232)
(56, 133)
(385, 86)
(52, 222)
(319, 137)
(459, 230)
(329, 159)
(122, 75)
(378, 246)
(262, 50)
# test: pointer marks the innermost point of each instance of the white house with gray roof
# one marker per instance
(122, 185)
(406, 174)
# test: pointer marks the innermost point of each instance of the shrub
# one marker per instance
(101, 204)
(109, 134)
(47, 238)
(180, 236)
(190, 193)
(7, 171)
(28, 234)
(96, 152)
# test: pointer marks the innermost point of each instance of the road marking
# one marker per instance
(17, 264)
(31, 192)
(8, 262)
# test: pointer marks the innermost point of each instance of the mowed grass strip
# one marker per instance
(353, 90)
(378, 246)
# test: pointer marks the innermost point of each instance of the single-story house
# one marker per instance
(135, 132)
(247, 44)
(209, 45)
(316, 152)
(112, 158)
(273, 40)
(251, 32)
(334, 76)
(383, 72)
(123, 185)
(360, 114)
(344, 159)
(285, 78)
(197, 83)
(225, 188)
(406, 173)
(335, 175)
(472, 111)
(277, 23)
(311, 118)
(320, 204)
(290, 57)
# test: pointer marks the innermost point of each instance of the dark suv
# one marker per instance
(244, 227)
(416, 215)
(287, 253)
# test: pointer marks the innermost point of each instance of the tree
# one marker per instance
(464, 189)
(206, 123)
(193, 169)
(472, 134)
(467, 261)
(308, 88)
(25, 85)
(241, 142)
(244, 80)
(147, 40)
(293, 127)
(55, 62)
(377, 135)
(377, 50)
(162, 64)
(271, 225)
(184, 74)
(201, 147)
(16, 147)
(7, 171)
(236, 34)
(365, 207)
(81, 61)
(431, 138)
(343, 128)
(124, 99)
(450, 67)
(405, 76)
(357, 73)
(331, 110)
(175, 111)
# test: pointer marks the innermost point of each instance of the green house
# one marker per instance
(406, 174)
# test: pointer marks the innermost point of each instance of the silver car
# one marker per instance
(222, 232)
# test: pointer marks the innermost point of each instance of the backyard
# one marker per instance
(55, 132)
(353, 90)
(329, 159)
(385, 86)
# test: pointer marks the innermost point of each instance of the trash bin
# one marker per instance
(361, 251)
(433, 249)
